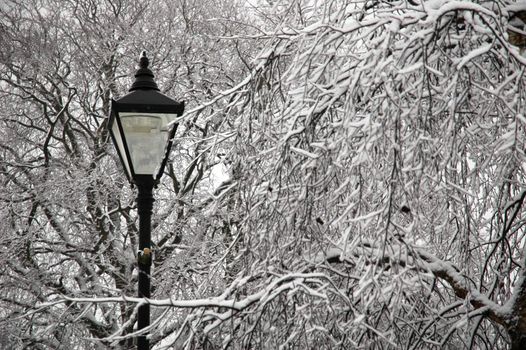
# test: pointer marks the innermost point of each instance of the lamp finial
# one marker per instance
(144, 76)
(143, 61)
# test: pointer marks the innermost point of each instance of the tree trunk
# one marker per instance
(518, 340)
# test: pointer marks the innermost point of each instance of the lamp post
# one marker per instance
(141, 127)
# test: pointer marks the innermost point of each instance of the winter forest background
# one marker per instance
(347, 174)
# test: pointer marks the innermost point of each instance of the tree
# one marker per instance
(68, 217)
(389, 145)
(371, 194)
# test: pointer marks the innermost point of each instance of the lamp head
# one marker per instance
(142, 125)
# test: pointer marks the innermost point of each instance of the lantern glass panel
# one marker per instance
(120, 145)
(146, 136)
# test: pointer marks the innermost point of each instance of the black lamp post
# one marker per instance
(142, 128)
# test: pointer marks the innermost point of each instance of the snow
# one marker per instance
(304, 152)
(411, 68)
(472, 55)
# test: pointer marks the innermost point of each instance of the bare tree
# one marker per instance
(68, 221)
(377, 181)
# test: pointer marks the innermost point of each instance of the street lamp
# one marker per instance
(142, 127)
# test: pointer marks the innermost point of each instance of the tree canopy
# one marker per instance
(347, 174)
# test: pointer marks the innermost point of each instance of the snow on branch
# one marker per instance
(422, 260)
(268, 292)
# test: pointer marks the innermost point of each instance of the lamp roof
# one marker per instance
(148, 101)
(144, 95)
